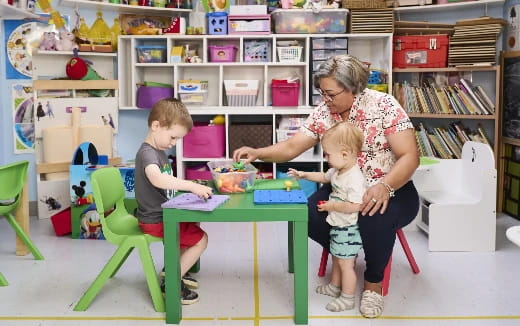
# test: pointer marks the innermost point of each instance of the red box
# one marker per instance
(61, 222)
(421, 51)
(205, 141)
(284, 93)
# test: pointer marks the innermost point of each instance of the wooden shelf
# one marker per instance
(81, 54)
(11, 12)
(453, 116)
(511, 141)
(123, 9)
(449, 69)
(75, 84)
(449, 6)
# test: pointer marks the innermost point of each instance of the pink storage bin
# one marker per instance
(224, 53)
(205, 141)
(198, 172)
(285, 94)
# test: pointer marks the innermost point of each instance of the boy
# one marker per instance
(168, 122)
(341, 145)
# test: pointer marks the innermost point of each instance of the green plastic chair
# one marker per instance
(121, 229)
(3, 281)
(12, 181)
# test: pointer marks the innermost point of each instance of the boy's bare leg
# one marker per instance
(190, 255)
(345, 300)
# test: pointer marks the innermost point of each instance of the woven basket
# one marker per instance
(363, 4)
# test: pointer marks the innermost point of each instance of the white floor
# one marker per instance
(452, 288)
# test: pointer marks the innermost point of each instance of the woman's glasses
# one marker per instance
(329, 97)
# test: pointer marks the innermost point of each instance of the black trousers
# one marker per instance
(377, 231)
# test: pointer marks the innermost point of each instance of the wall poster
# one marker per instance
(23, 117)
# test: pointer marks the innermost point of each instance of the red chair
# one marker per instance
(386, 277)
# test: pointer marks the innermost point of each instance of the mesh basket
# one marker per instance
(289, 53)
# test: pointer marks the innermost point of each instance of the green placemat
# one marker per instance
(273, 184)
(427, 160)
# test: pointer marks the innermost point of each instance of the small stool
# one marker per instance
(386, 277)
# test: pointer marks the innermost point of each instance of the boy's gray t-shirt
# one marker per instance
(149, 198)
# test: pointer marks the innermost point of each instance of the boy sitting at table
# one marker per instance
(168, 122)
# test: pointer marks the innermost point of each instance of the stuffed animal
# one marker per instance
(48, 41)
(66, 41)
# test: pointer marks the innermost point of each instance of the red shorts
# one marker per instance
(190, 233)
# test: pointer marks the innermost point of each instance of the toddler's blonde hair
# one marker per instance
(346, 135)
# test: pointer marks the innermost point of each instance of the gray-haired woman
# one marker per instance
(388, 159)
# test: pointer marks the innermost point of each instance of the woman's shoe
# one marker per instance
(372, 304)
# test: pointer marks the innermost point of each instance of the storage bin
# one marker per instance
(241, 92)
(249, 134)
(249, 24)
(217, 22)
(147, 96)
(205, 141)
(198, 172)
(420, 51)
(329, 43)
(232, 182)
(289, 53)
(284, 134)
(285, 94)
(257, 51)
(194, 92)
(225, 53)
(305, 21)
(151, 53)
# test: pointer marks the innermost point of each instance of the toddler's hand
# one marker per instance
(325, 206)
(202, 191)
(295, 173)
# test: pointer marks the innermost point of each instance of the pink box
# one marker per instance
(224, 53)
(285, 94)
(205, 141)
(198, 172)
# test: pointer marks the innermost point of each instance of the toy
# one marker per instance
(115, 31)
(91, 224)
(66, 41)
(78, 68)
(48, 41)
(288, 184)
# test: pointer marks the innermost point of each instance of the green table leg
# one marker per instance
(173, 274)
(301, 274)
(290, 247)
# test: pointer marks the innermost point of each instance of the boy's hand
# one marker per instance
(202, 191)
(295, 173)
(327, 206)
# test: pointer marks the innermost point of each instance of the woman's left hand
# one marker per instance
(375, 198)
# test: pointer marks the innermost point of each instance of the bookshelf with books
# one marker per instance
(451, 105)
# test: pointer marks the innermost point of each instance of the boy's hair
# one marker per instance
(170, 111)
(346, 135)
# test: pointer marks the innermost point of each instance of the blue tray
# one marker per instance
(269, 197)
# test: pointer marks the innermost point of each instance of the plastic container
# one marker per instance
(257, 51)
(147, 96)
(205, 141)
(151, 53)
(232, 182)
(305, 21)
(224, 53)
(289, 53)
(284, 134)
(285, 94)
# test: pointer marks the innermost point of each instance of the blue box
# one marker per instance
(217, 23)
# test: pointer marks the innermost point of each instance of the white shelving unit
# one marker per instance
(375, 48)
(449, 6)
(123, 9)
(11, 12)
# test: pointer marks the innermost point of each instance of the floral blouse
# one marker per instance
(377, 115)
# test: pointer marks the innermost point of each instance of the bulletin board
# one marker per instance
(510, 95)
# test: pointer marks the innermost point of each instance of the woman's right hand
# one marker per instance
(250, 154)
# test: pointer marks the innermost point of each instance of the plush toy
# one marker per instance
(48, 41)
(80, 69)
(66, 41)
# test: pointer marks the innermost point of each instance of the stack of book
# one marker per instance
(372, 20)
(460, 98)
(446, 143)
(474, 41)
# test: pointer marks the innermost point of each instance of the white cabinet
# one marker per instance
(374, 48)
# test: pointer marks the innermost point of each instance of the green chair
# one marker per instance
(12, 181)
(120, 228)
(3, 281)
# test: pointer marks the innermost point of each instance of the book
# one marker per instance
(490, 105)
(469, 88)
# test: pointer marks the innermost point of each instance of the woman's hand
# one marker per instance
(250, 153)
(375, 198)
(202, 191)
(296, 174)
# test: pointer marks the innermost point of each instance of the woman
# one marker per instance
(388, 159)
